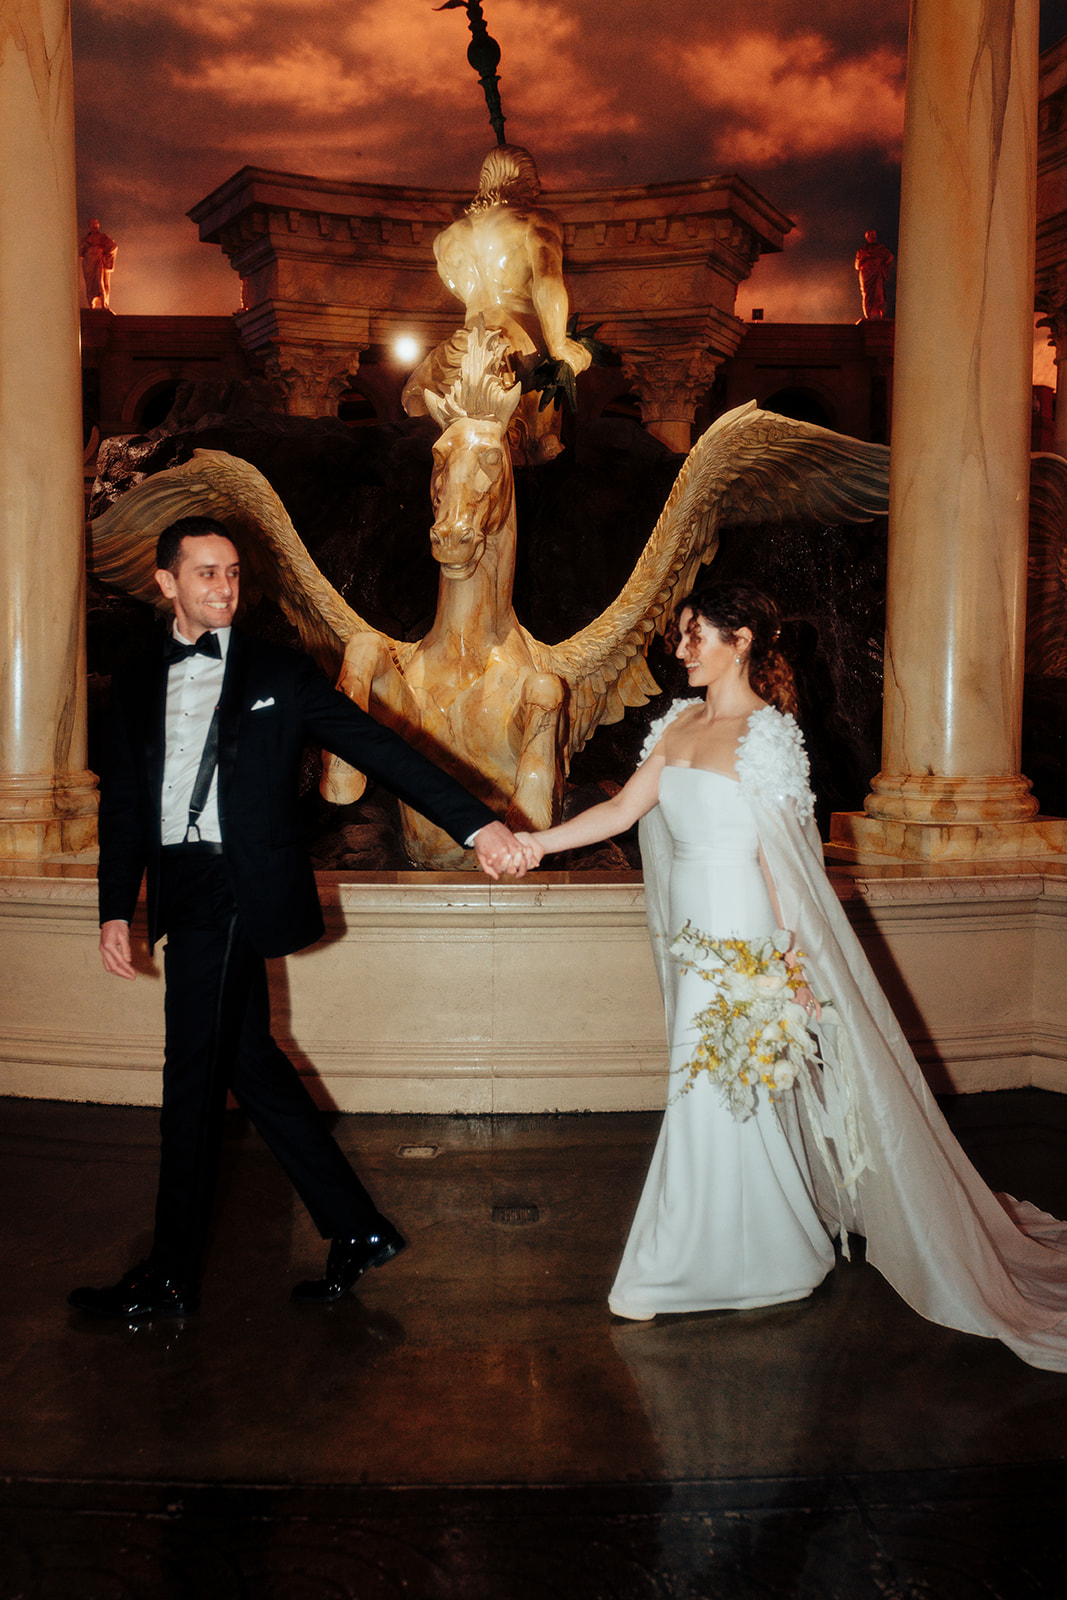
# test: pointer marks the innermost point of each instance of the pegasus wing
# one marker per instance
(274, 560)
(749, 468)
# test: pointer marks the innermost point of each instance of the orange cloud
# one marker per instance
(408, 48)
(391, 56)
(306, 79)
(789, 97)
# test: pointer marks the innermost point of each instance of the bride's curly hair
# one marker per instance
(728, 607)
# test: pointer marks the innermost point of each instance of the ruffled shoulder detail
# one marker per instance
(656, 731)
(772, 761)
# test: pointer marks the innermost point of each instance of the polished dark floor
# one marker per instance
(472, 1422)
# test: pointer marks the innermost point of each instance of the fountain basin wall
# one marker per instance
(445, 993)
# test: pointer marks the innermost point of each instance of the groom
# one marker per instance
(200, 792)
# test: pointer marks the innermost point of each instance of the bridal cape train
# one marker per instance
(879, 1157)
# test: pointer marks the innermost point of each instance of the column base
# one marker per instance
(927, 798)
(854, 836)
(40, 819)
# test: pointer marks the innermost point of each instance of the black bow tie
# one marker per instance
(206, 645)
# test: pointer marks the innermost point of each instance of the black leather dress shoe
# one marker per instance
(348, 1260)
(144, 1292)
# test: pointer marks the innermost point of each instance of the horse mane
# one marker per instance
(485, 390)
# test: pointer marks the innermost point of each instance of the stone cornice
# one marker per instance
(655, 265)
(681, 216)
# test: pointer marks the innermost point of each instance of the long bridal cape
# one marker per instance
(884, 1162)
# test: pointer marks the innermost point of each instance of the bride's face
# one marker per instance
(707, 656)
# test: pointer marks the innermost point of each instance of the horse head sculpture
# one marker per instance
(472, 487)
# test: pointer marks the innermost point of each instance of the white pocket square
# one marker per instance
(261, 705)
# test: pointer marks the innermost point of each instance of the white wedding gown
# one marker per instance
(742, 1214)
(728, 1215)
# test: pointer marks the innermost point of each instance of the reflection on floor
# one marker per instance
(472, 1422)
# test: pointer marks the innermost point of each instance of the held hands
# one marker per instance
(116, 949)
(533, 850)
(499, 851)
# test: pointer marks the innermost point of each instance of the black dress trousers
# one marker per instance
(218, 1038)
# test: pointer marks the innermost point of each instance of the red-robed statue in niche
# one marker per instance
(97, 251)
(873, 263)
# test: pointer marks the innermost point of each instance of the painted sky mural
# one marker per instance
(803, 101)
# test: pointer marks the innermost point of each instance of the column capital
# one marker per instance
(311, 377)
(1050, 290)
(1050, 296)
(670, 381)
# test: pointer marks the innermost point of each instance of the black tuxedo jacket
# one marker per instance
(273, 703)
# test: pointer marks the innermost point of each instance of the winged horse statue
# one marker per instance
(489, 702)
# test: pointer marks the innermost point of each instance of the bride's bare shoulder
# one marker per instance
(684, 727)
(686, 718)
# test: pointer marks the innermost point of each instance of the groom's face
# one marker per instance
(204, 587)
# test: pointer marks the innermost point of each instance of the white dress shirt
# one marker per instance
(193, 689)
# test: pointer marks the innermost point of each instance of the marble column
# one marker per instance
(47, 798)
(950, 785)
(670, 383)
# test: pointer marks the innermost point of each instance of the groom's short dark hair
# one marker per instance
(169, 543)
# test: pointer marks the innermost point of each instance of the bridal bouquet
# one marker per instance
(752, 1034)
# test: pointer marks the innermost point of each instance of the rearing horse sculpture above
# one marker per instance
(501, 710)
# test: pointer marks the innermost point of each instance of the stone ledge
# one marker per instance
(448, 993)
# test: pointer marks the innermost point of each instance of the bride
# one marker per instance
(742, 1213)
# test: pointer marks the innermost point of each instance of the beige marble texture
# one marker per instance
(961, 417)
(445, 993)
(47, 798)
(856, 836)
